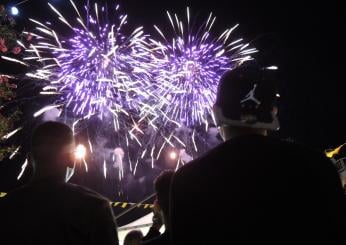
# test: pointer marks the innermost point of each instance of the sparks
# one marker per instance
(189, 67)
(154, 93)
(104, 169)
(25, 164)
(45, 109)
(14, 153)
(10, 134)
(97, 69)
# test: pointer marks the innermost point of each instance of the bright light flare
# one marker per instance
(173, 155)
(80, 152)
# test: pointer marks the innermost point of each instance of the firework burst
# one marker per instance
(189, 63)
(189, 66)
(157, 95)
(91, 67)
(98, 70)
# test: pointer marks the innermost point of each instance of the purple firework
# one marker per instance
(92, 67)
(158, 94)
(96, 71)
(189, 66)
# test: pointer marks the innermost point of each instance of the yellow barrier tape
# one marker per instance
(114, 204)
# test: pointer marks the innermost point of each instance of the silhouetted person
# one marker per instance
(157, 219)
(134, 237)
(255, 188)
(162, 186)
(49, 211)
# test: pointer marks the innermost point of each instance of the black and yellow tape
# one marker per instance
(130, 204)
(114, 204)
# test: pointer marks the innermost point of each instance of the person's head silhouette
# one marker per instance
(134, 237)
(52, 151)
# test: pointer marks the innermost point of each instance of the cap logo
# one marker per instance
(251, 97)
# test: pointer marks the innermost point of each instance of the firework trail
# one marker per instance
(189, 62)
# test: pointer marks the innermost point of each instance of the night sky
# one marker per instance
(305, 40)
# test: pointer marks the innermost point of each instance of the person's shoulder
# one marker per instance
(302, 150)
(17, 198)
(227, 148)
(18, 192)
(282, 146)
(198, 163)
(301, 156)
(162, 239)
(82, 192)
(239, 147)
